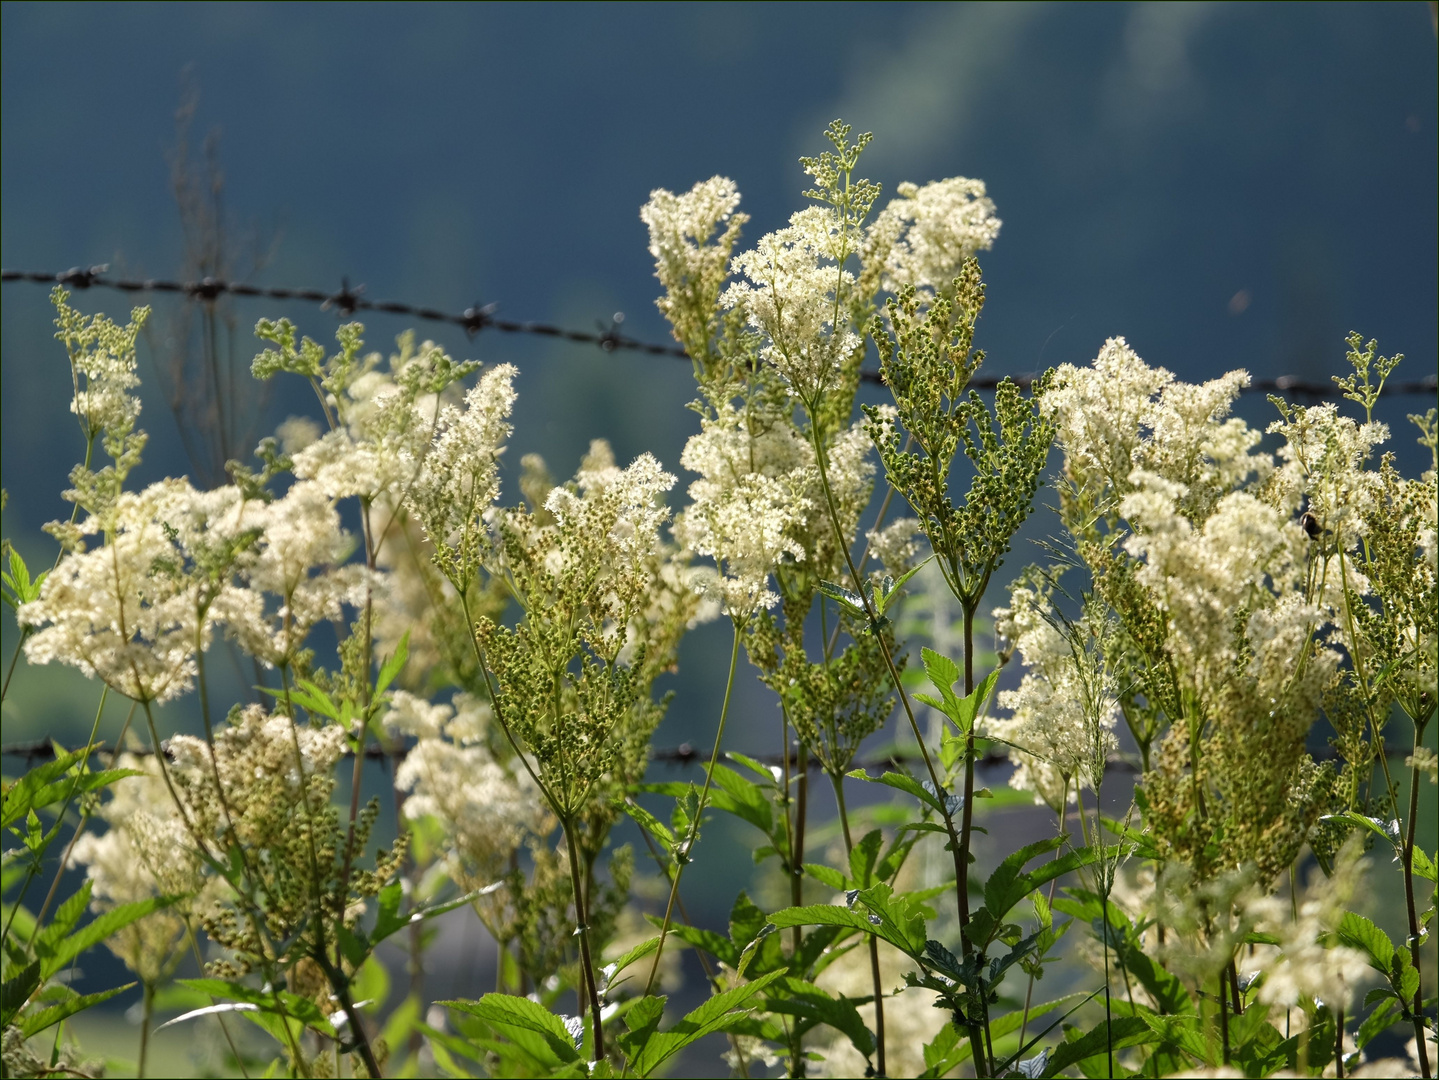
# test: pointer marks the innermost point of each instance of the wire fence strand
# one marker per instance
(477, 318)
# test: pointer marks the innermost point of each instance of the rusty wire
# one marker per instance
(477, 317)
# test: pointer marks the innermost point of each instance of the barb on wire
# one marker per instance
(683, 755)
(477, 317)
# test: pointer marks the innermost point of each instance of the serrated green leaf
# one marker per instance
(716, 944)
(1121, 1032)
(270, 1003)
(1359, 933)
(746, 799)
(942, 671)
(827, 875)
(768, 772)
(1003, 889)
(864, 856)
(16, 991)
(714, 1015)
(394, 665)
(56, 952)
(609, 972)
(1424, 865)
(20, 797)
(39, 1021)
(840, 595)
(795, 997)
(513, 1015)
(1389, 1013)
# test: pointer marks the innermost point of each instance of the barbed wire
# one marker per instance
(477, 318)
(683, 755)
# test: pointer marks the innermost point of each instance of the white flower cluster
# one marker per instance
(1324, 455)
(176, 564)
(144, 852)
(459, 478)
(1247, 556)
(102, 365)
(922, 237)
(1119, 414)
(484, 807)
(110, 613)
(386, 422)
(1306, 967)
(691, 236)
(1062, 716)
(258, 746)
(796, 295)
(295, 575)
(747, 506)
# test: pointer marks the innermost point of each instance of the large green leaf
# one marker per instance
(56, 950)
(527, 1022)
(1005, 886)
(17, 990)
(48, 783)
(1124, 1031)
(714, 1015)
(37, 1022)
(795, 997)
(276, 1003)
(1360, 933)
(747, 799)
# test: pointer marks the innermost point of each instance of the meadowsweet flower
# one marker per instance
(796, 296)
(1060, 730)
(263, 790)
(102, 364)
(691, 238)
(486, 808)
(144, 852)
(1119, 415)
(748, 505)
(923, 237)
(459, 479)
(259, 769)
(125, 613)
(296, 577)
(1307, 967)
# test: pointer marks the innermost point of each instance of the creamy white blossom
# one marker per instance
(1308, 966)
(133, 612)
(486, 808)
(747, 506)
(923, 236)
(144, 852)
(1062, 716)
(691, 237)
(459, 479)
(795, 295)
(296, 576)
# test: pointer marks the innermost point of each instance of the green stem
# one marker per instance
(24, 633)
(682, 854)
(1029, 988)
(837, 782)
(961, 869)
(1223, 1017)
(582, 917)
(792, 866)
(1417, 1006)
(1339, 1045)
(148, 1012)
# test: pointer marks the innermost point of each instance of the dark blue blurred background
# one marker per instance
(1227, 185)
